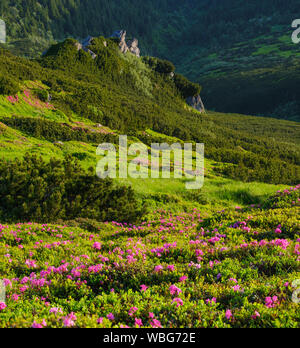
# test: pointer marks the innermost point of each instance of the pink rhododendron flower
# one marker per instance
(68, 322)
(55, 310)
(178, 302)
(158, 268)
(183, 279)
(155, 323)
(97, 246)
(138, 322)
(144, 288)
(132, 310)
(255, 315)
(228, 314)
(2, 306)
(174, 290)
(110, 316)
(271, 302)
(171, 268)
(36, 325)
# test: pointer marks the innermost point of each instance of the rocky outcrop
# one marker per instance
(87, 41)
(125, 46)
(2, 31)
(84, 46)
(78, 45)
(92, 54)
(196, 103)
(131, 45)
(121, 36)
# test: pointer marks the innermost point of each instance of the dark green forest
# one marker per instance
(160, 23)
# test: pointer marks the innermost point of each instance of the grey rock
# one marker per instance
(2, 31)
(78, 45)
(196, 103)
(93, 55)
(131, 45)
(84, 46)
(121, 36)
(87, 41)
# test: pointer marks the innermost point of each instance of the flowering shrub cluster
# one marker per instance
(284, 198)
(30, 99)
(52, 131)
(233, 269)
(13, 100)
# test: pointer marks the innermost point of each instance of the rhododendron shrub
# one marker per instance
(284, 198)
(232, 269)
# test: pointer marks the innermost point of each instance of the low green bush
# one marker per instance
(186, 87)
(8, 86)
(36, 190)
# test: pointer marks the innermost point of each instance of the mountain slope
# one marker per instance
(223, 45)
(127, 95)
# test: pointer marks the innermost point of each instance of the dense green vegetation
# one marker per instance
(125, 93)
(262, 84)
(232, 269)
(51, 130)
(207, 23)
(237, 50)
(40, 191)
(80, 251)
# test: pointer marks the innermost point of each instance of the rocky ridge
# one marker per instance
(132, 46)
(127, 46)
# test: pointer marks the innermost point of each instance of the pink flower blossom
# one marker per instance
(2, 306)
(183, 279)
(36, 325)
(132, 310)
(68, 322)
(271, 302)
(178, 302)
(138, 322)
(158, 268)
(174, 290)
(255, 315)
(55, 310)
(110, 316)
(97, 246)
(144, 288)
(228, 314)
(155, 323)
